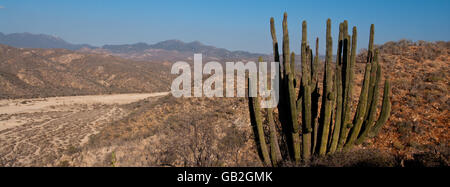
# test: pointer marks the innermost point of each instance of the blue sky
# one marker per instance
(231, 24)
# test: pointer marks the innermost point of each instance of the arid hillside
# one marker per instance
(169, 131)
(420, 119)
(217, 131)
(30, 73)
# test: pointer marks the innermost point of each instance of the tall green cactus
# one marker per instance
(365, 98)
(275, 153)
(334, 129)
(327, 96)
(315, 95)
(290, 92)
(349, 76)
(306, 94)
(256, 118)
(338, 90)
(372, 110)
(385, 110)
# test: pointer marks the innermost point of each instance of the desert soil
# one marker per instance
(36, 132)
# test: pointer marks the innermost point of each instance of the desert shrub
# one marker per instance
(199, 137)
(354, 158)
(427, 159)
(360, 158)
(423, 51)
(187, 140)
(404, 129)
(64, 163)
(232, 142)
(435, 76)
(72, 150)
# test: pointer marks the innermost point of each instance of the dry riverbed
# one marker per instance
(37, 132)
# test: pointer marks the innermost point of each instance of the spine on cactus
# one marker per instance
(314, 67)
(370, 49)
(255, 115)
(364, 97)
(286, 50)
(291, 94)
(304, 55)
(345, 59)
(315, 95)
(275, 153)
(360, 112)
(347, 73)
(282, 91)
(293, 68)
(327, 96)
(276, 53)
(372, 109)
(292, 61)
(338, 89)
(349, 76)
(385, 110)
(333, 111)
(373, 81)
(346, 66)
(306, 94)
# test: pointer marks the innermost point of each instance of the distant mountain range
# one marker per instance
(28, 40)
(162, 51)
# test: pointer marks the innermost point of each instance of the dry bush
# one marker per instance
(354, 158)
(422, 50)
(179, 132)
(188, 140)
(419, 51)
(201, 138)
(428, 159)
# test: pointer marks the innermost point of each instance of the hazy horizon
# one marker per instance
(245, 28)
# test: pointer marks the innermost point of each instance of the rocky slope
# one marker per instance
(420, 120)
(175, 130)
(59, 72)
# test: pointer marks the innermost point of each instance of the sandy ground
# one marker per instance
(35, 132)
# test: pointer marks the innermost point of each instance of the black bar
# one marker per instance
(230, 176)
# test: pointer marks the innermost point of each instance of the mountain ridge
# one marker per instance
(136, 51)
(29, 40)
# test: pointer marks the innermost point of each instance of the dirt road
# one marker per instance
(35, 132)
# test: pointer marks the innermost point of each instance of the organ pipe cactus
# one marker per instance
(256, 118)
(327, 126)
(327, 96)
